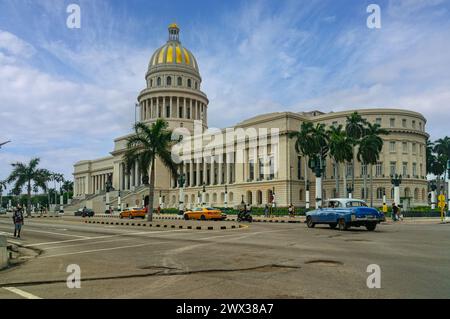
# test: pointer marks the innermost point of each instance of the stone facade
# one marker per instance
(174, 94)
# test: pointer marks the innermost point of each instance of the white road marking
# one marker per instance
(103, 249)
(106, 236)
(21, 293)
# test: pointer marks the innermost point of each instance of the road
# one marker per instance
(260, 261)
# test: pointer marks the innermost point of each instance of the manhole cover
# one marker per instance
(324, 262)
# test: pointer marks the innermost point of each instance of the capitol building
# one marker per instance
(174, 93)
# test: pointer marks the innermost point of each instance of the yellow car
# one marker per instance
(204, 213)
(133, 212)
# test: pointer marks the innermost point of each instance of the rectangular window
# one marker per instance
(393, 168)
(363, 169)
(392, 122)
(378, 121)
(414, 169)
(405, 169)
(251, 170)
(379, 169)
(405, 147)
(414, 148)
(413, 124)
(421, 170)
(392, 147)
(299, 167)
(350, 170)
(167, 111)
(180, 112)
(404, 123)
(272, 167)
(261, 168)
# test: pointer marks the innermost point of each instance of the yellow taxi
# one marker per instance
(204, 213)
(133, 212)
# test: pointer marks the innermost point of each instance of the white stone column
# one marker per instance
(228, 170)
(136, 174)
(205, 171)
(198, 173)
(220, 179)
(211, 171)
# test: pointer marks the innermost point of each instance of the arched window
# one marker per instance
(300, 195)
(151, 82)
(195, 85)
(380, 192)
(259, 197)
(158, 81)
(179, 81)
(169, 80)
(189, 83)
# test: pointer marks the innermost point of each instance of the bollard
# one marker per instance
(3, 252)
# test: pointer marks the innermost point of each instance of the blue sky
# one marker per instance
(65, 94)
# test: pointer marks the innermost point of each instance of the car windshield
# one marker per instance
(210, 208)
(356, 204)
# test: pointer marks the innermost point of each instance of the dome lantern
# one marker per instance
(174, 32)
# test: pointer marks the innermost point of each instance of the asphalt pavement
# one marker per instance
(260, 260)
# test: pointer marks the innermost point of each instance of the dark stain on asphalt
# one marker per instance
(270, 267)
(359, 240)
(324, 262)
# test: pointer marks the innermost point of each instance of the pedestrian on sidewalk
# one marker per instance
(18, 221)
(266, 211)
(291, 210)
(394, 212)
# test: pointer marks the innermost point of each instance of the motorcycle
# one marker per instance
(244, 216)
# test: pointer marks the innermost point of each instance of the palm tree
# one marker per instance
(341, 150)
(318, 150)
(145, 146)
(56, 178)
(430, 157)
(303, 143)
(369, 151)
(24, 175)
(355, 130)
(442, 149)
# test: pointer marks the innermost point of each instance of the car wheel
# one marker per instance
(309, 222)
(186, 217)
(203, 217)
(342, 225)
(333, 225)
(371, 226)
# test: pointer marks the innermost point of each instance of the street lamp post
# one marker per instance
(181, 180)
(308, 185)
(160, 200)
(204, 195)
(396, 180)
(225, 199)
(433, 194)
(350, 188)
(318, 166)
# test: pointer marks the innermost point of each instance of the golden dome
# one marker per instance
(173, 53)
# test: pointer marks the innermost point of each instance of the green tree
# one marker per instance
(341, 150)
(28, 176)
(370, 147)
(355, 130)
(149, 143)
(302, 144)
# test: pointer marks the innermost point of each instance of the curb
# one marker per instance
(159, 225)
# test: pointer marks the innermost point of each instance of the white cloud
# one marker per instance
(12, 45)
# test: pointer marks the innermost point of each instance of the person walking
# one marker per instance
(291, 210)
(266, 211)
(18, 221)
(394, 212)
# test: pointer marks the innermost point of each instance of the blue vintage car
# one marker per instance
(345, 213)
